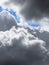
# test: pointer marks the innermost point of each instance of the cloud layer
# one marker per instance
(21, 45)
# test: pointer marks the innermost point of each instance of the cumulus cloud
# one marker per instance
(21, 45)
(33, 8)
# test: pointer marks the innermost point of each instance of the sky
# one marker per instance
(24, 32)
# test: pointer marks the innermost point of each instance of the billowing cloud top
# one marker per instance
(20, 45)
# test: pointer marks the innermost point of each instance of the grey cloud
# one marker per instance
(18, 1)
(43, 35)
(33, 8)
(15, 2)
(6, 21)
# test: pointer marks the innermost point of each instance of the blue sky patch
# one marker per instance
(33, 24)
(1, 9)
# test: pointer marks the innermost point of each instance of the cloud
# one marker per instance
(6, 21)
(33, 8)
(20, 45)
(17, 46)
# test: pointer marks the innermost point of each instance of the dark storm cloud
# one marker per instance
(6, 21)
(36, 9)
(33, 8)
